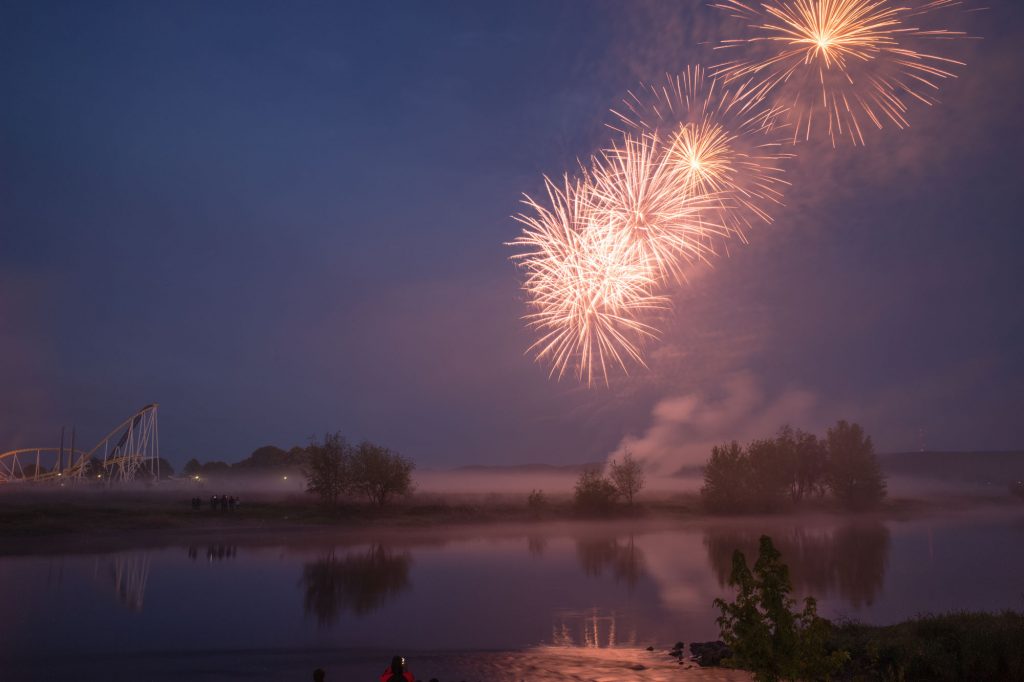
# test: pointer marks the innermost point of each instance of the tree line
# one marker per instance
(772, 473)
(333, 468)
(267, 459)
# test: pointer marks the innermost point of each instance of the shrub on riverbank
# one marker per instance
(595, 494)
(954, 646)
(764, 633)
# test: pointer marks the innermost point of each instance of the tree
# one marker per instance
(537, 502)
(379, 473)
(726, 477)
(93, 470)
(768, 474)
(161, 469)
(810, 463)
(297, 457)
(764, 634)
(268, 457)
(192, 468)
(854, 474)
(215, 468)
(627, 476)
(594, 492)
(802, 456)
(328, 468)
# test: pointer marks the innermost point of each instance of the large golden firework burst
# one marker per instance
(836, 65)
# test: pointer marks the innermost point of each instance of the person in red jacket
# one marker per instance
(396, 672)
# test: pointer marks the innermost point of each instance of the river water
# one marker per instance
(483, 588)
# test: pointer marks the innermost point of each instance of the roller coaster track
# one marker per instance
(130, 447)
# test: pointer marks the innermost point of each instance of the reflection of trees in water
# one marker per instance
(536, 544)
(625, 560)
(357, 582)
(860, 571)
(848, 560)
(125, 574)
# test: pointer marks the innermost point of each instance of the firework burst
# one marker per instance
(637, 193)
(838, 64)
(589, 287)
(724, 148)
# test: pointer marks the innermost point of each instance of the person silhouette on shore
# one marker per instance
(396, 672)
(318, 675)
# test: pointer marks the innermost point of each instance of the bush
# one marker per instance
(595, 494)
(957, 646)
(725, 479)
(854, 474)
(537, 502)
(627, 476)
(764, 634)
(380, 474)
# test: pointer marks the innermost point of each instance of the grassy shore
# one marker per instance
(955, 646)
(54, 513)
(540, 664)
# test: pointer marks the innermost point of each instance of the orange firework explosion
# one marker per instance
(844, 60)
(723, 146)
(637, 192)
(588, 286)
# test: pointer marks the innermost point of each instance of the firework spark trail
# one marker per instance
(851, 61)
(699, 160)
(725, 147)
(638, 192)
(589, 287)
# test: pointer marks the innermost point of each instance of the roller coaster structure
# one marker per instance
(130, 447)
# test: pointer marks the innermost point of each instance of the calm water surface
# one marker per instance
(492, 587)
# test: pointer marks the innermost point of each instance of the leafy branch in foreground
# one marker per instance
(766, 636)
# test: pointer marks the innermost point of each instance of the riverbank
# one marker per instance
(102, 516)
(540, 664)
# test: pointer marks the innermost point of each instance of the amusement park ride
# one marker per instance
(129, 449)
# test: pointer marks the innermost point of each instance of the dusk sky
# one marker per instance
(281, 219)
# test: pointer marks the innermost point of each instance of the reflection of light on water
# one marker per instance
(596, 629)
(214, 552)
(129, 573)
(621, 664)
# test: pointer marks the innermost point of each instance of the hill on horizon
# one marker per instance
(998, 467)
